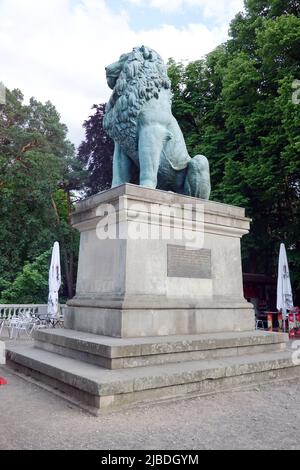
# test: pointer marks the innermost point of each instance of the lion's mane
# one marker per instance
(141, 79)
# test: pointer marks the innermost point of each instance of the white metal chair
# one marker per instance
(259, 324)
(27, 318)
(17, 319)
(23, 321)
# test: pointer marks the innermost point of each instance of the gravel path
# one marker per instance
(265, 417)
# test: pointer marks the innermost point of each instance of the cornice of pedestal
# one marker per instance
(142, 194)
(138, 302)
(131, 203)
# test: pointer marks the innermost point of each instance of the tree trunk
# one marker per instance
(68, 263)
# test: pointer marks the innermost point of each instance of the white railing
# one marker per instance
(26, 317)
(8, 311)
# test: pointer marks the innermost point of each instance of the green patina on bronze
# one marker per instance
(139, 119)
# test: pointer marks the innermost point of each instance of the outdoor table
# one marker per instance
(51, 320)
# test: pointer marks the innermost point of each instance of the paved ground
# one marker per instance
(265, 417)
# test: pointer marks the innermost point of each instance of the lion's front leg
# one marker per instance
(122, 167)
(151, 143)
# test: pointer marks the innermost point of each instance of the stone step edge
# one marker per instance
(165, 345)
(124, 381)
(158, 359)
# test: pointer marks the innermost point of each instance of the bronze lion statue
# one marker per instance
(140, 121)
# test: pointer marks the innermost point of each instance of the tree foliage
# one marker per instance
(31, 284)
(38, 170)
(236, 107)
(96, 152)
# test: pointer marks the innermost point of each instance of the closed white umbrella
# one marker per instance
(54, 281)
(284, 288)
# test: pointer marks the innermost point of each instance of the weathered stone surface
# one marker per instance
(144, 322)
(148, 383)
(113, 353)
(123, 287)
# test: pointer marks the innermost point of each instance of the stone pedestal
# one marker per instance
(171, 265)
(159, 309)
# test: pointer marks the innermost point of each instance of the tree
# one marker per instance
(31, 284)
(240, 99)
(96, 152)
(36, 160)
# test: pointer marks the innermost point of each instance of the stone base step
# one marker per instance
(117, 353)
(99, 388)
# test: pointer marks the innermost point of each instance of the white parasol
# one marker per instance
(54, 281)
(284, 288)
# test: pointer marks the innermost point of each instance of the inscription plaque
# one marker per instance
(193, 264)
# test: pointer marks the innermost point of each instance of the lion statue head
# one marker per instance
(136, 78)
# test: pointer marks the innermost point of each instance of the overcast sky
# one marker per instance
(57, 49)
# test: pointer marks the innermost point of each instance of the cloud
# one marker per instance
(166, 5)
(58, 49)
(219, 10)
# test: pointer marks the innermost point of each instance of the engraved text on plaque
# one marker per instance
(189, 263)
